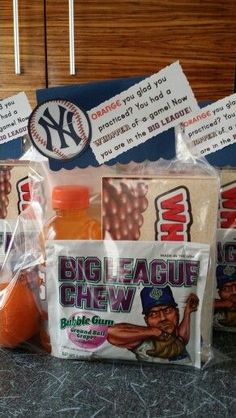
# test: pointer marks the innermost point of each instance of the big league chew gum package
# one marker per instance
(225, 294)
(145, 291)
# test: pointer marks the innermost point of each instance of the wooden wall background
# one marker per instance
(123, 38)
(120, 38)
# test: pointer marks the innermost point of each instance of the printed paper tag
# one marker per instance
(152, 106)
(213, 128)
(14, 115)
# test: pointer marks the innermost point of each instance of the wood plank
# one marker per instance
(130, 38)
(32, 51)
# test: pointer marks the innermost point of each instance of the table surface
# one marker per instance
(33, 385)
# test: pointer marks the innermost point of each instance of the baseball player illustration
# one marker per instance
(225, 306)
(164, 339)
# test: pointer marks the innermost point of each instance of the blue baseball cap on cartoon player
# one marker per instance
(225, 274)
(155, 296)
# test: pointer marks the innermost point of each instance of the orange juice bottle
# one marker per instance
(71, 222)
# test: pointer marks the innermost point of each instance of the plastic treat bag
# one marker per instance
(21, 253)
(14, 197)
(225, 294)
(144, 291)
(224, 271)
(141, 292)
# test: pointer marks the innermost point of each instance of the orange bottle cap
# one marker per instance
(70, 197)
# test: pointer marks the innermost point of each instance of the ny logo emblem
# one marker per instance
(59, 129)
(63, 127)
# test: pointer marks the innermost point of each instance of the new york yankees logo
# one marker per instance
(59, 129)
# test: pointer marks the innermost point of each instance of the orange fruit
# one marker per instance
(19, 315)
